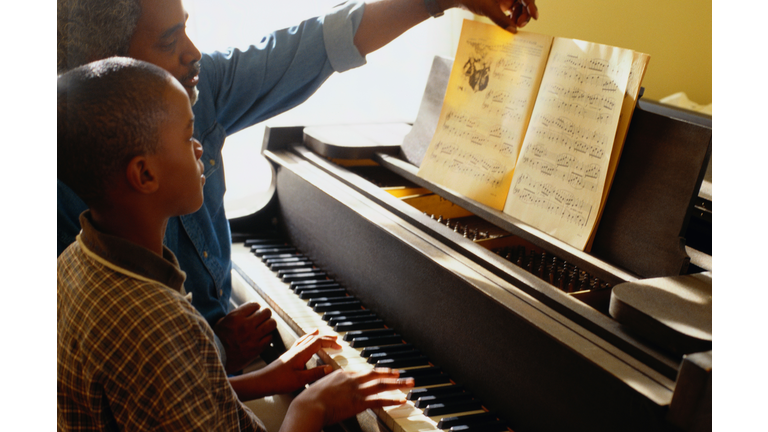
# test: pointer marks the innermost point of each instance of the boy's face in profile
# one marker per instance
(178, 155)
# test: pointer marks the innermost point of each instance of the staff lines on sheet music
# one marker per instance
(504, 106)
(557, 202)
(494, 136)
(594, 66)
(581, 177)
(563, 132)
(577, 103)
(487, 170)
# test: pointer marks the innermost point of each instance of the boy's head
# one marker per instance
(125, 128)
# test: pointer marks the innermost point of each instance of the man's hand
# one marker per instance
(507, 14)
(245, 332)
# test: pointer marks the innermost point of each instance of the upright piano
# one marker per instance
(529, 332)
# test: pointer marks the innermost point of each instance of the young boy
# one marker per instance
(133, 354)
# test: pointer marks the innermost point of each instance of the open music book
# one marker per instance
(534, 126)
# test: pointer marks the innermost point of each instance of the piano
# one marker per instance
(514, 327)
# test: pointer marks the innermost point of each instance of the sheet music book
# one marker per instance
(533, 125)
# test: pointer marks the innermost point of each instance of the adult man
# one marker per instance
(236, 89)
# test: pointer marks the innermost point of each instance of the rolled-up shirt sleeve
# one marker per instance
(339, 31)
(239, 88)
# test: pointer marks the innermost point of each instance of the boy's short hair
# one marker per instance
(108, 112)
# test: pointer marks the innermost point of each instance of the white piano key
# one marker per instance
(418, 423)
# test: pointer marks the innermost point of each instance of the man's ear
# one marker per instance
(141, 175)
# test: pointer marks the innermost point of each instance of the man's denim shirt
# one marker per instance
(239, 89)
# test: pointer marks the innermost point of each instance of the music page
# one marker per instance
(488, 103)
(561, 172)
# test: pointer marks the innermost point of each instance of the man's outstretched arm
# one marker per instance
(385, 20)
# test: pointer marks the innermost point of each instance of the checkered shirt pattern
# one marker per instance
(133, 354)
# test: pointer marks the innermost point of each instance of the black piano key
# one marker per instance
(362, 342)
(358, 325)
(331, 314)
(403, 362)
(267, 257)
(368, 333)
(425, 401)
(333, 300)
(332, 321)
(328, 307)
(317, 293)
(292, 271)
(300, 287)
(495, 426)
(287, 259)
(376, 356)
(432, 380)
(388, 348)
(426, 376)
(251, 242)
(470, 419)
(302, 276)
(273, 250)
(276, 266)
(269, 245)
(316, 281)
(315, 287)
(452, 407)
(415, 394)
(413, 373)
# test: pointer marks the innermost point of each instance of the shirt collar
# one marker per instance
(132, 257)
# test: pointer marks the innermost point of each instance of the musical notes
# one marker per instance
(557, 203)
(570, 139)
(528, 126)
(486, 110)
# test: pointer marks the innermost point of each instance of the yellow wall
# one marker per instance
(677, 35)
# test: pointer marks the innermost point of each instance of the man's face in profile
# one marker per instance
(161, 39)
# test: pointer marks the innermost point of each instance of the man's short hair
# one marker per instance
(88, 30)
(108, 112)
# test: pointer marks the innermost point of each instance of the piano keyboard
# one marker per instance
(306, 298)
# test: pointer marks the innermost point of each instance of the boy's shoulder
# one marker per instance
(110, 291)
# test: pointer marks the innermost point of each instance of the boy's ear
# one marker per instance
(141, 175)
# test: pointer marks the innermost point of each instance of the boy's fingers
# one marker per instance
(314, 344)
(378, 401)
(304, 339)
(314, 374)
(385, 384)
